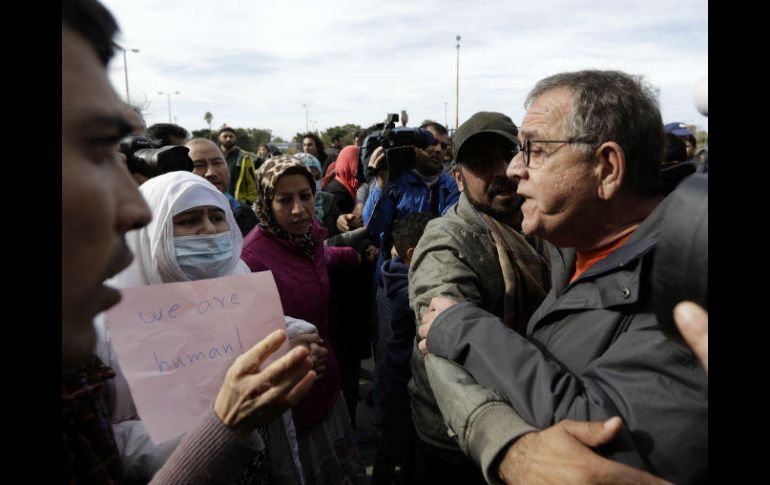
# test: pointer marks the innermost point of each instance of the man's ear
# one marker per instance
(611, 169)
(458, 178)
(409, 253)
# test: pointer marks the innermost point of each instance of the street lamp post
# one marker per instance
(446, 117)
(307, 123)
(168, 96)
(457, 95)
(125, 70)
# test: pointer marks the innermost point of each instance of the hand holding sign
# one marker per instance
(251, 397)
(177, 343)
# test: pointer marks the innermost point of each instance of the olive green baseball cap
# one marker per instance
(483, 122)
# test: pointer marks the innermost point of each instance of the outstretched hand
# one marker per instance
(251, 397)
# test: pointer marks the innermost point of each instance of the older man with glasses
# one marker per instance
(588, 171)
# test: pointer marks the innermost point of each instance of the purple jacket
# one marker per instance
(304, 289)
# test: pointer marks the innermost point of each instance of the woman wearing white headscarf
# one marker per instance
(193, 235)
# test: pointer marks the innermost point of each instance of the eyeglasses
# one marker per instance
(526, 149)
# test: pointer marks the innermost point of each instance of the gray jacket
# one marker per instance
(456, 257)
(480, 419)
(593, 350)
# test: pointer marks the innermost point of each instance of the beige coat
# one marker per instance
(458, 257)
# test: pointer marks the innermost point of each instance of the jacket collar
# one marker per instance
(622, 271)
(642, 241)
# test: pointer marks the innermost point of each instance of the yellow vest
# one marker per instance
(246, 185)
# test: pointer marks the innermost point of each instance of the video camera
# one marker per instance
(398, 144)
(149, 158)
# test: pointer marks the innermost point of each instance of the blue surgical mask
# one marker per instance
(206, 256)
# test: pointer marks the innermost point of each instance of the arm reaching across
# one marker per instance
(562, 454)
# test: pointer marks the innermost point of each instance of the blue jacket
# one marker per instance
(405, 194)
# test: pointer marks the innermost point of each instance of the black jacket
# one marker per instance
(342, 198)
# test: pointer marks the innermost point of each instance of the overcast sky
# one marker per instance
(255, 63)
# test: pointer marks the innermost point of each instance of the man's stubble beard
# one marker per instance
(506, 216)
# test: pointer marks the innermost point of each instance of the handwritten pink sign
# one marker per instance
(175, 342)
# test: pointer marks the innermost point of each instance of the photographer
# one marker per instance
(422, 188)
(168, 134)
(148, 158)
(442, 145)
(409, 179)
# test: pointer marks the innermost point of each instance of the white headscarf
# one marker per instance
(153, 245)
(155, 262)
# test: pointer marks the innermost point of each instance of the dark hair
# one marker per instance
(614, 106)
(93, 21)
(319, 144)
(676, 150)
(440, 129)
(337, 137)
(163, 132)
(226, 128)
(408, 230)
(362, 134)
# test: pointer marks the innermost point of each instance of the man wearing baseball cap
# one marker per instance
(683, 132)
(475, 252)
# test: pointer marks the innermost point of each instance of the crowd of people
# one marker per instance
(501, 281)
